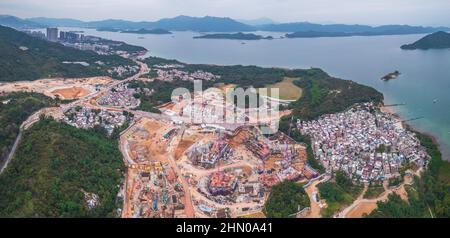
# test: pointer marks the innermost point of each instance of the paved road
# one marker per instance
(25, 125)
(12, 152)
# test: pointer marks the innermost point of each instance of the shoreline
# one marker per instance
(434, 138)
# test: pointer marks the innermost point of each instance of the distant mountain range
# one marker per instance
(437, 40)
(224, 24)
(257, 22)
(16, 22)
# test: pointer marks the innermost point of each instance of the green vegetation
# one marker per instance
(286, 199)
(17, 108)
(398, 208)
(394, 182)
(429, 196)
(151, 74)
(52, 166)
(323, 94)
(373, 191)
(383, 148)
(288, 90)
(338, 193)
(29, 58)
(437, 40)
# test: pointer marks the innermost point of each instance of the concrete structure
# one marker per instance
(52, 34)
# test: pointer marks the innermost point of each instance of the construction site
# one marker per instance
(194, 171)
(152, 188)
(63, 88)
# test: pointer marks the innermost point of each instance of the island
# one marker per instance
(234, 36)
(149, 31)
(390, 76)
(437, 40)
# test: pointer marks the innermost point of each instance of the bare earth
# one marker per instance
(71, 93)
(67, 88)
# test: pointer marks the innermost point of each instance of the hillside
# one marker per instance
(15, 108)
(12, 21)
(56, 22)
(437, 40)
(201, 24)
(29, 58)
(323, 94)
(54, 164)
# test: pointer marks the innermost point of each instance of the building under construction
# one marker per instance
(222, 184)
(207, 155)
(252, 141)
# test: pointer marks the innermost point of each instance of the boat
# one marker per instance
(435, 101)
(390, 76)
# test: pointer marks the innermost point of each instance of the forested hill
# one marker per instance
(28, 58)
(437, 40)
(58, 169)
(15, 108)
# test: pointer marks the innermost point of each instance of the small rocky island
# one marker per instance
(234, 36)
(390, 76)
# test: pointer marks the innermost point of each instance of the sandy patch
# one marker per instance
(72, 88)
(149, 141)
(71, 93)
(361, 209)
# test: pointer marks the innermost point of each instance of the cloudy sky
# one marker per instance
(374, 12)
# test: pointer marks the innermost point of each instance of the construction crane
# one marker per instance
(286, 154)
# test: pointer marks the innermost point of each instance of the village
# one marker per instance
(367, 144)
(170, 72)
